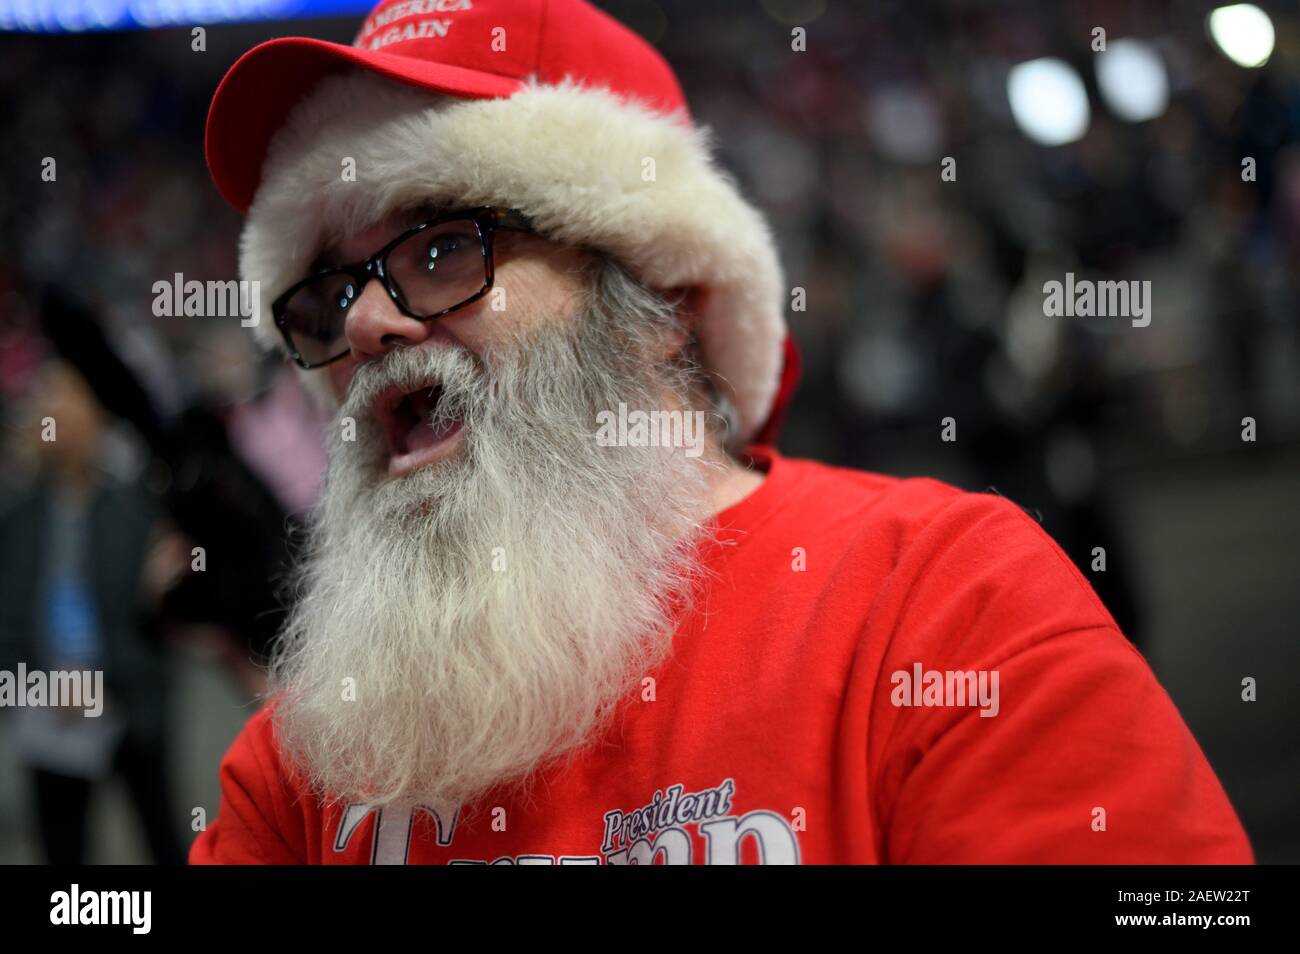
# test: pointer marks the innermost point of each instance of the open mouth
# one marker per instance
(416, 433)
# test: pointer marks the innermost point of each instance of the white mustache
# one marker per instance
(462, 377)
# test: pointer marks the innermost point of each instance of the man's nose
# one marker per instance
(374, 325)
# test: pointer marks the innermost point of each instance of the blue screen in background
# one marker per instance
(80, 16)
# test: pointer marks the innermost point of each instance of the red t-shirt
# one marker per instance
(882, 671)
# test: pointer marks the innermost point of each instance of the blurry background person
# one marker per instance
(73, 551)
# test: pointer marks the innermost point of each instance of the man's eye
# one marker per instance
(442, 248)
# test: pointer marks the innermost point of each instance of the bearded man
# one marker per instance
(523, 634)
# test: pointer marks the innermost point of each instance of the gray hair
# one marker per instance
(624, 302)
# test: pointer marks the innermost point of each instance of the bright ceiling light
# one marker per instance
(1243, 32)
(1132, 80)
(1048, 101)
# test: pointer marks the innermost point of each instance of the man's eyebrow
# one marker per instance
(410, 217)
(422, 212)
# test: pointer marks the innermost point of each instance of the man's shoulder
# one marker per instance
(255, 752)
(911, 505)
(906, 538)
(851, 485)
(263, 818)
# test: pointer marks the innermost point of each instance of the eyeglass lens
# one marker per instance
(432, 270)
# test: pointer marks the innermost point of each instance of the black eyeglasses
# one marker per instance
(428, 271)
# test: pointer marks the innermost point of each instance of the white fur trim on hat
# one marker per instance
(572, 158)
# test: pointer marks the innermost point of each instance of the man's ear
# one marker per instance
(689, 302)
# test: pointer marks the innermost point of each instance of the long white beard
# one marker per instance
(462, 626)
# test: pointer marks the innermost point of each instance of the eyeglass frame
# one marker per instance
(487, 218)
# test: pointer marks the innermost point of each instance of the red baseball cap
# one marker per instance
(484, 49)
